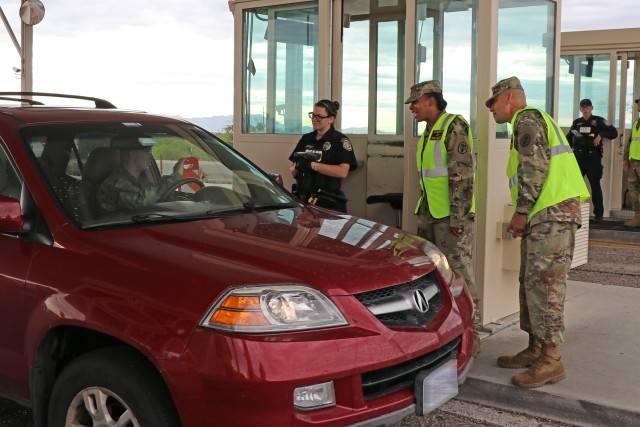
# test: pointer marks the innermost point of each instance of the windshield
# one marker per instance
(130, 173)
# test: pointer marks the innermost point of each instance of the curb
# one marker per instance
(540, 404)
(619, 236)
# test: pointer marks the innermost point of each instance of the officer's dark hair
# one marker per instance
(440, 102)
(332, 107)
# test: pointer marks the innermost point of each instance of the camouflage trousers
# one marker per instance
(633, 177)
(457, 249)
(545, 258)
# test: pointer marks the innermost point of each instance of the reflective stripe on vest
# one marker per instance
(634, 147)
(564, 180)
(432, 163)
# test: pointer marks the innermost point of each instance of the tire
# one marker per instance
(122, 388)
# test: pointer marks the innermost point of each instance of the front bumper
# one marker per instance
(240, 379)
(225, 380)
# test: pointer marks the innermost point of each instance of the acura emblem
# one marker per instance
(422, 303)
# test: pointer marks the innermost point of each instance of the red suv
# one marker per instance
(196, 291)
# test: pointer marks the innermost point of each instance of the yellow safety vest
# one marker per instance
(432, 161)
(564, 180)
(634, 147)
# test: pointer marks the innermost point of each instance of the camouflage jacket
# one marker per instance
(122, 191)
(532, 142)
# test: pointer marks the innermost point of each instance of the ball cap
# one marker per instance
(586, 103)
(422, 88)
(502, 86)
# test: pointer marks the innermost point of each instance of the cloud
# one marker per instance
(169, 56)
(578, 15)
(162, 56)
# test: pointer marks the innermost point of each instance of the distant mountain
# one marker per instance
(216, 124)
(213, 124)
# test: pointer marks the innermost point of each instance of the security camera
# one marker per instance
(16, 69)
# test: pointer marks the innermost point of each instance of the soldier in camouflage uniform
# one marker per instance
(631, 164)
(445, 161)
(546, 199)
(128, 187)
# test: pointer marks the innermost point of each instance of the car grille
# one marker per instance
(393, 378)
(414, 303)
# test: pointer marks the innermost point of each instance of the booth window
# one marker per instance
(373, 45)
(527, 51)
(446, 50)
(280, 57)
(583, 76)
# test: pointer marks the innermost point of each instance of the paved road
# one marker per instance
(454, 413)
(13, 415)
(609, 264)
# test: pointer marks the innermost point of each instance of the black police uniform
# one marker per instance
(581, 136)
(333, 148)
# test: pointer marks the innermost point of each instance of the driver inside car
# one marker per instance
(129, 186)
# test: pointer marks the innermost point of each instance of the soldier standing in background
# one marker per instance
(631, 164)
(585, 137)
(445, 160)
(546, 191)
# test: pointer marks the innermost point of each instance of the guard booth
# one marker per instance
(366, 55)
(603, 66)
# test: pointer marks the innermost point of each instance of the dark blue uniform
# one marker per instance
(334, 148)
(581, 137)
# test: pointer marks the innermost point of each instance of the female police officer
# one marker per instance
(322, 159)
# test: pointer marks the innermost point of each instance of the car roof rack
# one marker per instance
(25, 100)
(100, 103)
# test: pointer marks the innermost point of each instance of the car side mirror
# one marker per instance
(11, 219)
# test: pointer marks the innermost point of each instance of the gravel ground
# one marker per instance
(457, 413)
(14, 415)
(610, 264)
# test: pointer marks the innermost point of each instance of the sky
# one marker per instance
(172, 57)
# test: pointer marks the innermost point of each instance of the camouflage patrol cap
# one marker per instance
(502, 86)
(422, 88)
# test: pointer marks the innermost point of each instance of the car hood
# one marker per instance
(337, 253)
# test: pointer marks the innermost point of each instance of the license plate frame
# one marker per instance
(434, 387)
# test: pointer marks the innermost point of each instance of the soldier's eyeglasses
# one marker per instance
(317, 116)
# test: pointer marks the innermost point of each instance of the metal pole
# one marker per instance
(10, 31)
(27, 57)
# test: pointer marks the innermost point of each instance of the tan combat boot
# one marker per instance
(524, 359)
(547, 369)
(635, 222)
(477, 344)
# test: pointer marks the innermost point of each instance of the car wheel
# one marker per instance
(111, 387)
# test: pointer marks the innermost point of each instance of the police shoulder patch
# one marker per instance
(346, 144)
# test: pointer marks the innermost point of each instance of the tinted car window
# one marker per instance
(10, 183)
(76, 159)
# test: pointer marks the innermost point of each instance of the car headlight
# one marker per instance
(439, 260)
(272, 309)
